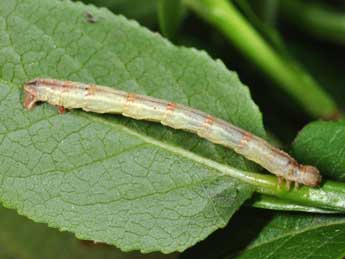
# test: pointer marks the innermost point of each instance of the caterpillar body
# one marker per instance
(101, 99)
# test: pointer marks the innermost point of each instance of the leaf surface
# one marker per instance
(133, 184)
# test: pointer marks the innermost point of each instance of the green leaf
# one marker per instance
(322, 144)
(170, 14)
(299, 236)
(133, 184)
(22, 238)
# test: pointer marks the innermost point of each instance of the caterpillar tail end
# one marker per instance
(30, 94)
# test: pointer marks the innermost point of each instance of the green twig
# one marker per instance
(289, 77)
(329, 196)
(319, 20)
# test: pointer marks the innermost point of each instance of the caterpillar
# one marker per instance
(102, 99)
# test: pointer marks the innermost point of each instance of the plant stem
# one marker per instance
(315, 18)
(289, 77)
(330, 195)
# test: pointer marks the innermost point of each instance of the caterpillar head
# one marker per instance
(309, 175)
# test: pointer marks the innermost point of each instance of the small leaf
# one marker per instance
(133, 184)
(322, 144)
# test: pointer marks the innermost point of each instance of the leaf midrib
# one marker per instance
(244, 176)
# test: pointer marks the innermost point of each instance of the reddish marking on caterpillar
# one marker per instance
(109, 100)
(66, 85)
(61, 109)
(171, 107)
(91, 90)
(129, 101)
(205, 126)
(131, 98)
(208, 121)
(245, 139)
